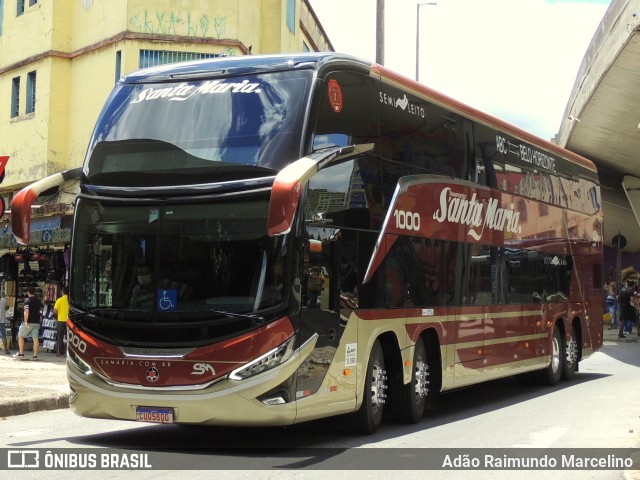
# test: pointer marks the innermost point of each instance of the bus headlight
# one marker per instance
(269, 360)
(78, 362)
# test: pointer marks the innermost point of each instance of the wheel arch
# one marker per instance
(392, 354)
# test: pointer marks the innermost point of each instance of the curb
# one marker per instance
(612, 336)
(53, 401)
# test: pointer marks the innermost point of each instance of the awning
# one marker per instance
(44, 231)
(43, 223)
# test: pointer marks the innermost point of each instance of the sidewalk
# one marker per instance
(30, 386)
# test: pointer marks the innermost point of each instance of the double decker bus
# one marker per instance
(320, 236)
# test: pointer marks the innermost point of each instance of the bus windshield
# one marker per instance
(194, 132)
(173, 264)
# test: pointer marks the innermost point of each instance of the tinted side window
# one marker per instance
(514, 166)
(429, 139)
(348, 194)
(536, 277)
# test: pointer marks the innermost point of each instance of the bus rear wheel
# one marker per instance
(570, 364)
(413, 396)
(369, 416)
(551, 375)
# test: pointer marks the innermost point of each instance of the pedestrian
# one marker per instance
(627, 310)
(612, 303)
(30, 326)
(635, 301)
(4, 306)
(61, 311)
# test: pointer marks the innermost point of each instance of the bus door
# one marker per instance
(320, 309)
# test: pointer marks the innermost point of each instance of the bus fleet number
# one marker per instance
(407, 220)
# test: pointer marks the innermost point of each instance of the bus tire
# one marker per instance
(551, 375)
(570, 364)
(368, 417)
(413, 396)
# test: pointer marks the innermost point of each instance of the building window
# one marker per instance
(1, 10)
(543, 209)
(151, 58)
(31, 92)
(291, 15)
(522, 208)
(118, 65)
(20, 9)
(305, 47)
(15, 97)
(32, 2)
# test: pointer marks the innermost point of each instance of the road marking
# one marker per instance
(544, 438)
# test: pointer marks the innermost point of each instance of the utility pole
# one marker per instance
(418, 37)
(380, 32)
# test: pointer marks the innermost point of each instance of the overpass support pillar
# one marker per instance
(631, 187)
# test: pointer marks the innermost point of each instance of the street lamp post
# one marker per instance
(418, 5)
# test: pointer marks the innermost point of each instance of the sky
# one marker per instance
(514, 59)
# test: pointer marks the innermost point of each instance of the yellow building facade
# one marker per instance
(59, 59)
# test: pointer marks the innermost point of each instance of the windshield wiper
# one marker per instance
(93, 311)
(257, 319)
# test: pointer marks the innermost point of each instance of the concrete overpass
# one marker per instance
(602, 118)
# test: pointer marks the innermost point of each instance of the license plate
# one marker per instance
(154, 415)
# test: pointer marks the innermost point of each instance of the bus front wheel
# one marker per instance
(369, 416)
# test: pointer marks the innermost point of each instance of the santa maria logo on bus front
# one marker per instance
(184, 91)
(153, 374)
(458, 208)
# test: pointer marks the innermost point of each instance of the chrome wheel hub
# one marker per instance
(572, 351)
(378, 386)
(422, 379)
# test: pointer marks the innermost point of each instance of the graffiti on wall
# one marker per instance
(172, 23)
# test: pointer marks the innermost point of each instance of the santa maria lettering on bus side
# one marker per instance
(457, 208)
(185, 91)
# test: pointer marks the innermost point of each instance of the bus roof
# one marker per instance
(480, 116)
(240, 65)
(319, 61)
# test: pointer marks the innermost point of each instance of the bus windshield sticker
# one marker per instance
(185, 91)
(153, 215)
(351, 355)
(167, 300)
(335, 95)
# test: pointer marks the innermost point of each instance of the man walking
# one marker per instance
(61, 311)
(627, 311)
(30, 326)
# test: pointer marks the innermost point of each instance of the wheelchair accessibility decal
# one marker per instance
(167, 300)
